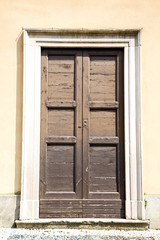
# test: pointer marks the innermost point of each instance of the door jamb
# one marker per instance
(129, 40)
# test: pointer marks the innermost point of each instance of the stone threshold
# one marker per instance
(84, 223)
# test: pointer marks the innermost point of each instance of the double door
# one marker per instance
(82, 133)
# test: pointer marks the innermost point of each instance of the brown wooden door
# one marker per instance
(82, 133)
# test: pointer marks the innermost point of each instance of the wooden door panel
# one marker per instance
(60, 168)
(103, 123)
(61, 208)
(102, 78)
(103, 208)
(61, 134)
(103, 169)
(61, 77)
(61, 122)
(103, 158)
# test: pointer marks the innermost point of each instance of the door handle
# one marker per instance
(85, 123)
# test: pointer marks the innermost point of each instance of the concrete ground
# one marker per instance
(74, 234)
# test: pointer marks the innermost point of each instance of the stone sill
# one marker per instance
(84, 223)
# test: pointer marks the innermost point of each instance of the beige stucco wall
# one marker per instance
(87, 14)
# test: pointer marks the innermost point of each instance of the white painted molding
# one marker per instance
(129, 40)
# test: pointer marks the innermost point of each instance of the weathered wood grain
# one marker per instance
(61, 139)
(61, 64)
(104, 140)
(86, 123)
(61, 77)
(61, 134)
(61, 208)
(44, 80)
(61, 86)
(60, 168)
(103, 104)
(103, 123)
(103, 164)
(61, 122)
(103, 169)
(61, 104)
(103, 208)
(102, 78)
(82, 133)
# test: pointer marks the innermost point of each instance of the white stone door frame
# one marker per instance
(129, 40)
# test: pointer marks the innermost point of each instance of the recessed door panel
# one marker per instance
(61, 73)
(60, 168)
(103, 169)
(102, 78)
(103, 123)
(61, 122)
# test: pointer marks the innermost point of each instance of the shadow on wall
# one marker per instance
(16, 211)
(19, 114)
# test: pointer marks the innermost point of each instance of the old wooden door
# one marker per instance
(82, 133)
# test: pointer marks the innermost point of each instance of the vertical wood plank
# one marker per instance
(78, 124)
(44, 80)
(118, 122)
(86, 75)
(121, 126)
